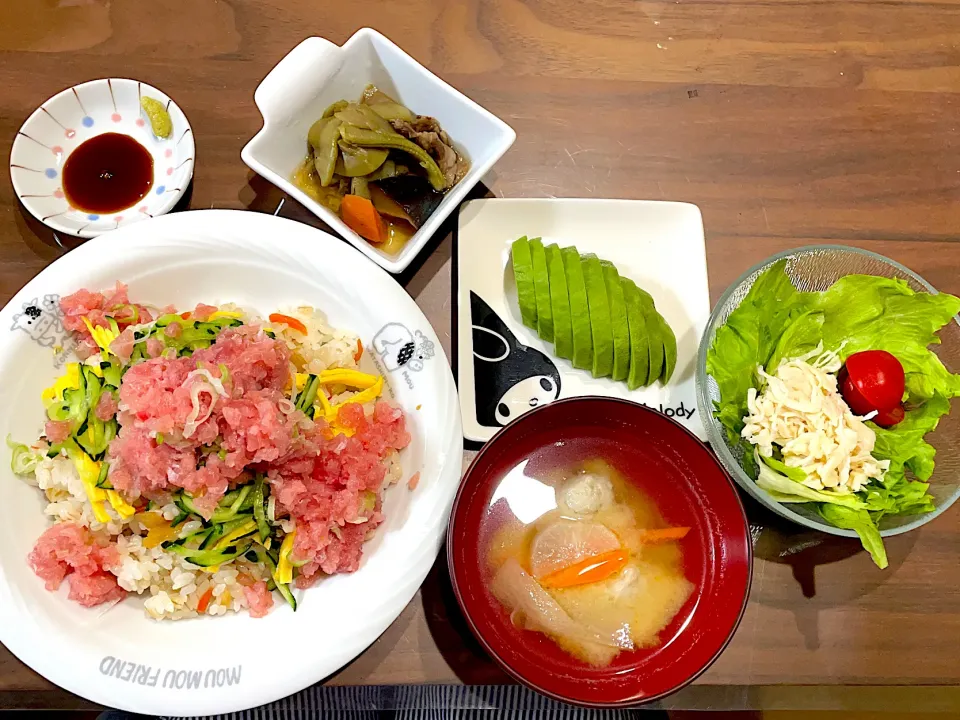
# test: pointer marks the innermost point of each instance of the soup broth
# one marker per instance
(583, 555)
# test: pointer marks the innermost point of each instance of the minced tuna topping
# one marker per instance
(210, 458)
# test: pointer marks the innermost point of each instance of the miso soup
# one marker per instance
(581, 554)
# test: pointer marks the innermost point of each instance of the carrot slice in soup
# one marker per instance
(593, 569)
(662, 534)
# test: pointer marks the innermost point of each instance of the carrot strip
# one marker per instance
(592, 569)
(287, 320)
(205, 600)
(359, 353)
(662, 534)
(362, 217)
(185, 315)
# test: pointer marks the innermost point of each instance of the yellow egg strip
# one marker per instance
(284, 568)
(101, 336)
(239, 532)
(70, 380)
(226, 314)
(124, 509)
(350, 378)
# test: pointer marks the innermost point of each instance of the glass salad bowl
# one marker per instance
(816, 268)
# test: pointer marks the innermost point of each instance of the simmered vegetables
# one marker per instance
(381, 167)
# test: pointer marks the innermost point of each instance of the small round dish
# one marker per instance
(816, 268)
(688, 486)
(69, 118)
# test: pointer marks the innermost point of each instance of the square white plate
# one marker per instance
(317, 73)
(659, 245)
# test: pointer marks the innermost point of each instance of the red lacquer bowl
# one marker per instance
(690, 489)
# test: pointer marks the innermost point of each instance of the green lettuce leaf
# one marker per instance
(860, 522)
(793, 473)
(903, 444)
(746, 340)
(863, 312)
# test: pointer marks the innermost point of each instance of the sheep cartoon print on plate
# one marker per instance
(509, 379)
(42, 321)
(399, 348)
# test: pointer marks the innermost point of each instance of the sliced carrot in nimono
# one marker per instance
(594, 569)
(362, 217)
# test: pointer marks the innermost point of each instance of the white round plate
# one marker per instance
(77, 114)
(204, 666)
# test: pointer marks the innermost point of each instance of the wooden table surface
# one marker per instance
(787, 121)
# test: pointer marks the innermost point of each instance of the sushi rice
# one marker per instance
(147, 535)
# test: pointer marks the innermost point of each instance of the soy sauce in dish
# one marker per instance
(107, 173)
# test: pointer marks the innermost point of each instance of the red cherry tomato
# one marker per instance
(889, 418)
(857, 402)
(877, 377)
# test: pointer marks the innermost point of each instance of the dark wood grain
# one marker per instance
(788, 122)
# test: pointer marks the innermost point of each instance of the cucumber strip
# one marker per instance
(111, 374)
(287, 595)
(185, 503)
(102, 481)
(309, 393)
(265, 557)
(216, 532)
(259, 512)
(228, 498)
(208, 558)
(222, 514)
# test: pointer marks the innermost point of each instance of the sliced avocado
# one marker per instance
(559, 303)
(669, 350)
(600, 329)
(523, 274)
(579, 309)
(618, 319)
(541, 286)
(639, 339)
(654, 336)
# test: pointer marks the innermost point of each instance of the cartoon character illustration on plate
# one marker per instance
(509, 379)
(400, 348)
(41, 320)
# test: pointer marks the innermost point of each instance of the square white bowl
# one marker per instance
(317, 73)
